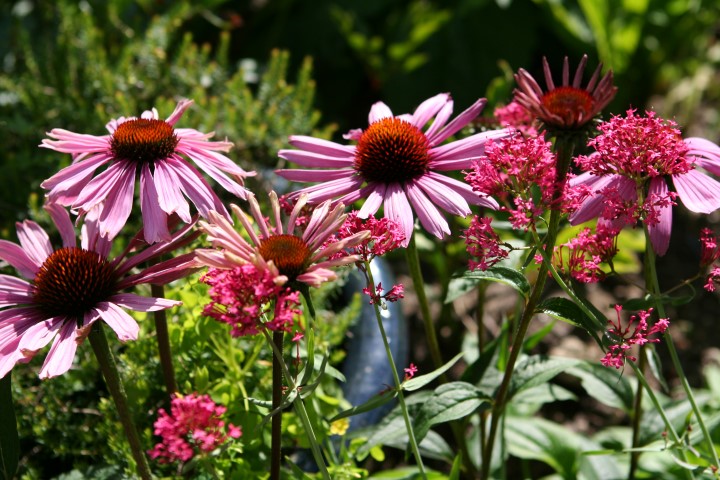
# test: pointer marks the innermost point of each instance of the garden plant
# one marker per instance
(222, 254)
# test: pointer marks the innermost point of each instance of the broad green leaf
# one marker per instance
(418, 382)
(467, 281)
(566, 310)
(475, 371)
(450, 401)
(651, 302)
(432, 446)
(606, 385)
(536, 370)
(9, 440)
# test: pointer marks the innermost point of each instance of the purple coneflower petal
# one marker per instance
(698, 192)
(457, 123)
(464, 190)
(14, 291)
(62, 353)
(397, 208)
(429, 108)
(34, 241)
(660, 232)
(313, 159)
(154, 218)
(373, 201)
(61, 219)
(142, 304)
(180, 108)
(379, 111)
(122, 324)
(429, 216)
(445, 197)
(323, 147)
(594, 204)
(16, 256)
(118, 204)
(196, 188)
(39, 334)
(170, 197)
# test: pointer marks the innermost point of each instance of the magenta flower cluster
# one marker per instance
(193, 427)
(624, 339)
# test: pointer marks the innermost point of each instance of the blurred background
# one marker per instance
(262, 69)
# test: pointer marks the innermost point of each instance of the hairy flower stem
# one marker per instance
(413, 261)
(276, 428)
(396, 377)
(109, 369)
(300, 408)
(163, 340)
(654, 287)
(564, 148)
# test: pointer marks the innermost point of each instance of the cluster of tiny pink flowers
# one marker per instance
(512, 168)
(410, 371)
(385, 235)
(618, 352)
(483, 244)
(710, 253)
(582, 256)
(193, 426)
(393, 295)
(240, 297)
(637, 147)
(514, 115)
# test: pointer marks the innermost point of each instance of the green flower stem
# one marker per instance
(637, 415)
(276, 427)
(109, 369)
(564, 148)
(163, 340)
(393, 368)
(413, 261)
(654, 288)
(581, 304)
(300, 410)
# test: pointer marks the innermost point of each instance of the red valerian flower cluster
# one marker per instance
(709, 254)
(483, 244)
(192, 427)
(582, 257)
(617, 353)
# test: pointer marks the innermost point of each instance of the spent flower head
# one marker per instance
(65, 290)
(397, 163)
(193, 427)
(568, 106)
(155, 150)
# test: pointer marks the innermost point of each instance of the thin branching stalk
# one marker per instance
(163, 341)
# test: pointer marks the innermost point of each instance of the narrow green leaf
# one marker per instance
(374, 402)
(455, 471)
(9, 440)
(422, 380)
(467, 281)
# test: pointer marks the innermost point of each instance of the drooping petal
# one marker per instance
(594, 204)
(660, 232)
(118, 204)
(698, 192)
(213, 164)
(196, 188)
(458, 123)
(429, 216)
(40, 334)
(122, 324)
(443, 196)
(373, 201)
(315, 160)
(464, 190)
(62, 353)
(397, 208)
(323, 147)
(170, 197)
(14, 291)
(154, 219)
(142, 304)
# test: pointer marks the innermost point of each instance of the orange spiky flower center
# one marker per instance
(71, 281)
(392, 150)
(571, 104)
(143, 140)
(289, 253)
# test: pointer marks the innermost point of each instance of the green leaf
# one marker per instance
(475, 371)
(450, 401)
(536, 370)
(605, 385)
(407, 473)
(455, 471)
(374, 402)
(567, 311)
(9, 440)
(467, 281)
(418, 382)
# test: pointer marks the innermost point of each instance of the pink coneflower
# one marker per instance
(566, 106)
(156, 150)
(72, 287)
(397, 165)
(641, 153)
(193, 426)
(305, 257)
